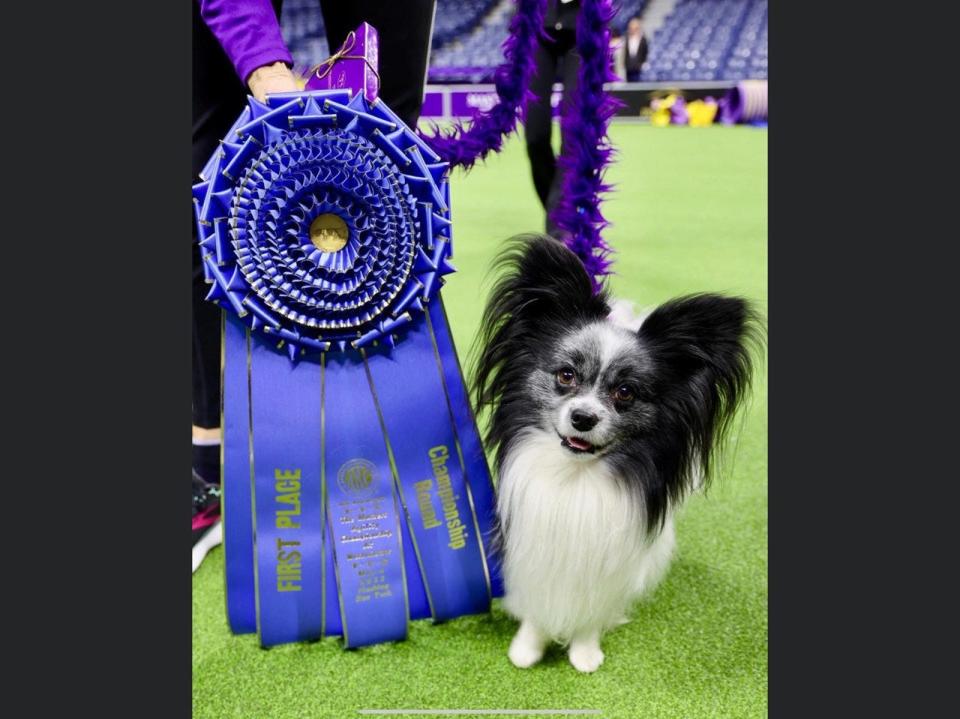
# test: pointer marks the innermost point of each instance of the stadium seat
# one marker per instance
(699, 39)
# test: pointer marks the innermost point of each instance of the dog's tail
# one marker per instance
(541, 283)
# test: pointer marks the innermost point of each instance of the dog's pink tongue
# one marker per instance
(579, 443)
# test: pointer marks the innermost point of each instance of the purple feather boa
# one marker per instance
(586, 147)
(463, 147)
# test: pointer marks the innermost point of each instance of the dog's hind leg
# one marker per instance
(527, 646)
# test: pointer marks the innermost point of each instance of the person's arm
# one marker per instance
(249, 32)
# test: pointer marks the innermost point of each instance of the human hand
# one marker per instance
(269, 79)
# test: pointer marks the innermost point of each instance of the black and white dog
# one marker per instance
(600, 431)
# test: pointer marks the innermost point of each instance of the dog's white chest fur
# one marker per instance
(576, 552)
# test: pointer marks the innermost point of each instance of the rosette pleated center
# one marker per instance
(324, 159)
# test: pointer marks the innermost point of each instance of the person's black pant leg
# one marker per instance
(404, 28)
(218, 98)
(538, 125)
(571, 70)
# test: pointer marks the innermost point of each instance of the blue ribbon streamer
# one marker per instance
(332, 621)
(287, 472)
(361, 510)
(409, 392)
(235, 480)
(472, 457)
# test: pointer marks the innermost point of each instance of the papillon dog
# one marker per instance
(600, 430)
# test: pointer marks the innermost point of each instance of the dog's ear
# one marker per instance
(542, 285)
(701, 346)
(543, 279)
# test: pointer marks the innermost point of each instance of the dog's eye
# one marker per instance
(567, 377)
(624, 394)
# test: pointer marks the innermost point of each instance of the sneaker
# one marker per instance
(207, 528)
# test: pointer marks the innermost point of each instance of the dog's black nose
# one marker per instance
(583, 421)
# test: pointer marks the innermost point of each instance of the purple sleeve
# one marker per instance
(248, 31)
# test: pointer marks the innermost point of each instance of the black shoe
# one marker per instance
(207, 528)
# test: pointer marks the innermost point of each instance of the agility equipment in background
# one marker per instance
(356, 494)
(747, 102)
(675, 110)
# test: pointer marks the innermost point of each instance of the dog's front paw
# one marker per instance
(586, 656)
(527, 646)
(524, 654)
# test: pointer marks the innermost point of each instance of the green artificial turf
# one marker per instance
(689, 214)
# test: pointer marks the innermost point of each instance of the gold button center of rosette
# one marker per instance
(328, 232)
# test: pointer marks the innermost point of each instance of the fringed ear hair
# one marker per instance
(701, 346)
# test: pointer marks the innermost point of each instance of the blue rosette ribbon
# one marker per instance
(356, 492)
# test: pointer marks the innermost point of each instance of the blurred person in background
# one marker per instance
(634, 50)
(238, 48)
(616, 50)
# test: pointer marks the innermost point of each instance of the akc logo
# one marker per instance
(356, 477)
